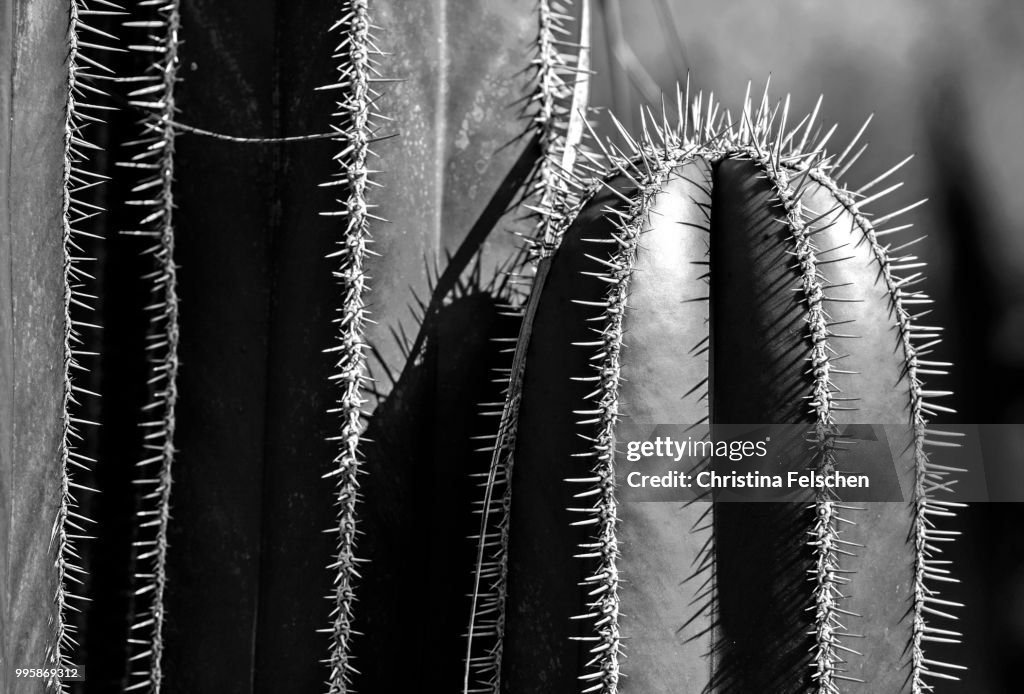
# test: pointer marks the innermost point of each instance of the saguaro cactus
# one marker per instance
(719, 273)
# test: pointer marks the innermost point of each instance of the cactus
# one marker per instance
(87, 45)
(561, 94)
(358, 58)
(158, 25)
(287, 390)
(719, 273)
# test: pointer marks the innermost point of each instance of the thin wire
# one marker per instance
(335, 135)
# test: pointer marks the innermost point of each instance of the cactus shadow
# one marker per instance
(416, 511)
(760, 641)
(418, 497)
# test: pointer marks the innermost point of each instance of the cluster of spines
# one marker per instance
(358, 120)
(826, 541)
(560, 109)
(154, 93)
(558, 114)
(83, 72)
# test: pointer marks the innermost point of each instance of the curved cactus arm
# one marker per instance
(357, 56)
(85, 44)
(154, 91)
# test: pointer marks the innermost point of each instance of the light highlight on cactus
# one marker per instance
(563, 88)
(154, 92)
(84, 70)
(837, 346)
(359, 119)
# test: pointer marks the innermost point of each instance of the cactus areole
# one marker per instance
(718, 273)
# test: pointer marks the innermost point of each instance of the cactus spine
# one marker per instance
(755, 203)
(154, 92)
(563, 88)
(358, 120)
(83, 71)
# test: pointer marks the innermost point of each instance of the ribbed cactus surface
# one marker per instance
(710, 270)
(720, 274)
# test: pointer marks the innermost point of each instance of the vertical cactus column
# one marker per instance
(719, 274)
(241, 302)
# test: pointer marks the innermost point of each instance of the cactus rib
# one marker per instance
(825, 533)
(358, 116)
(562, 94)
(561, 98)
(156, 94)
(68, 525)
(928, 479)
(826, 542)
(603, 583)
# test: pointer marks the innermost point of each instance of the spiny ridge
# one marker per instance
(917, 342)
(826, 541)
(359, 119)
(84, 71)
(559, 110)
(154, 30)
